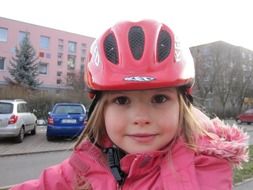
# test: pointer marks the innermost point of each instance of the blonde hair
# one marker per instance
(95, 127)
(189, 126)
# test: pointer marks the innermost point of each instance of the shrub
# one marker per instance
(41, 101)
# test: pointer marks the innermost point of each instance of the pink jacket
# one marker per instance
(176, 168)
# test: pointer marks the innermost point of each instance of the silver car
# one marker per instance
(16, 120)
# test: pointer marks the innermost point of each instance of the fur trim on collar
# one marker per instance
(224, 141)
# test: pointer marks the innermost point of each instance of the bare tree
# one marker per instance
(242, 79)
(207, 63)
(223, 77)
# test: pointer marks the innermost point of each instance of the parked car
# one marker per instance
(245, 117)
(66, 120)
(16, 120)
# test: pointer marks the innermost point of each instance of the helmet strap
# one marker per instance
(186, 95)
(94, 103)
(114, 154)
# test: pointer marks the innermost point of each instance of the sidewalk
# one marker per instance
(246, 185)
(33, 144)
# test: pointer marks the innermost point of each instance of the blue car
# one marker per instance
(66, 120)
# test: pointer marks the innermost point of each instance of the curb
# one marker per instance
(6, 187)
(37, 152)
(240, 183)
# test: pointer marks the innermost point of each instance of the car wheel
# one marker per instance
(33, 132)
(20, 136)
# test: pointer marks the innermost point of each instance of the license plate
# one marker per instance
(68, 121)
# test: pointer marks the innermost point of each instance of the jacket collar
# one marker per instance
(143, 163)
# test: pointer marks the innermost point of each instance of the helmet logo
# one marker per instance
(178, 51)
(139, 79)
(95, 55)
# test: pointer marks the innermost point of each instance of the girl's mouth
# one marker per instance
(142, 138)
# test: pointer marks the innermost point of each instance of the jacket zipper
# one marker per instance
(119, 187)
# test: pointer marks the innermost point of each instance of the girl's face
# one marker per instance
(142, 121)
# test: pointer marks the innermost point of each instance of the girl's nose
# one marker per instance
(141, 115)
(141, 121)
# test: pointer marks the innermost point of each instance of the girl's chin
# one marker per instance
(140, 150)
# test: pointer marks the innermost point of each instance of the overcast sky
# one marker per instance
(195, 21)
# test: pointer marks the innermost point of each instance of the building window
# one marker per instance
(82, 68)
(41, 54)
(71, 62)
(70, 78)
(59, 73)
(60, 48)
(72, 47)
(83, 52)
(22, 35)
(59, 63)
(44, 42)
(3, 34)
(2, 59)
(82, 59)
(43, 68)
(58, 81)
(60, 55)
(60, 45)
(60, 41)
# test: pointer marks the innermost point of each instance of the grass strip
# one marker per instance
(247, 171)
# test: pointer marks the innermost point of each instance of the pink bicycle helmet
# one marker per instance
(136, 56)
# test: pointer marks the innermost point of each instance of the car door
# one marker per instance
(249, 115)
(30, 120)
(24, 118)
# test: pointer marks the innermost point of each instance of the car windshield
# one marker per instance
(68, 109)
(6, 108)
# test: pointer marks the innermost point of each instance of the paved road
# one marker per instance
(33, 144)
(247, 185)
(19, 168)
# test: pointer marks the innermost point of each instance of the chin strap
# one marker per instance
(114, 155)
(97, 97)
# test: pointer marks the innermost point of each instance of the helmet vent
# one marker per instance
(110, 48)
(163, 45)
(136, 41)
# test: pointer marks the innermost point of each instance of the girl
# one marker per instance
(143, 131)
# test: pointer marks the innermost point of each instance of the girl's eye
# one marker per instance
(159, 99)
(122, 100)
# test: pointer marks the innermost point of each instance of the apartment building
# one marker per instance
(61, 54)
(224, 78)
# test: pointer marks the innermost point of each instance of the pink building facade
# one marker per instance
(61, 55)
